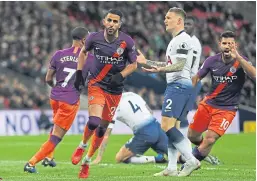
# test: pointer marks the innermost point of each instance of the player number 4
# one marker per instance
(71, 73)
(135, 107)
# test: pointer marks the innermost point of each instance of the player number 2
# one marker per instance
(169, 101)
(225, 124)
(71, 73)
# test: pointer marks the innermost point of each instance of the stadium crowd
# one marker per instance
(32, 31)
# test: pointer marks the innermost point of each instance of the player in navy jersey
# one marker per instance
(114, 59)
(216, 112)
(64, 98)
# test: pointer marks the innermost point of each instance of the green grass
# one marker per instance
(237, 153)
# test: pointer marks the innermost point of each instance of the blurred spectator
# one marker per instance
(43, 122)
(30, 33)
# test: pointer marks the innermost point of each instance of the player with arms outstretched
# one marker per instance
(64, 98)
(216, 112)
(179, 56)
(114, 59)
(136, 114)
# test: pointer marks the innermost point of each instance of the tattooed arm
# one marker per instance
(174, 67)
(170, 68)
(155, 63)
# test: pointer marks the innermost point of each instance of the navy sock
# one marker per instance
(197, 154)
(174, 135)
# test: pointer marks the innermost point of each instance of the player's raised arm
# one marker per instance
(248, 68)
(142, 60)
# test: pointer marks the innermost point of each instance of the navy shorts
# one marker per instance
(176, 97)
(149, 136)
(190, 105)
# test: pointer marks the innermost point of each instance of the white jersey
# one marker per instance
(133, 111)
(197, 51)
(180, 47)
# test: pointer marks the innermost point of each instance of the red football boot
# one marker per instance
(84, 171)
(77, 155)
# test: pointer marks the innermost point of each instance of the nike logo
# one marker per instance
(167, 110)
(214, 70)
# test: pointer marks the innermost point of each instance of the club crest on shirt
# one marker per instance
(120, 50)
(233, 69)
(183, 45)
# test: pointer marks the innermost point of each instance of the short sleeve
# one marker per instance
(132, 53)
(205, 68)
(54, 59)
(89, 41)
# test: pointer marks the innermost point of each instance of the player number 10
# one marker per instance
(225, 124)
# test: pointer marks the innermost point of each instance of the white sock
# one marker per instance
(86, 160)
(142, 159)
(172, 156)
(184, 148)
(82, 145)
(184, 131)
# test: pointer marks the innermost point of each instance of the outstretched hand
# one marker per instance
(153, 69)
(141, 58)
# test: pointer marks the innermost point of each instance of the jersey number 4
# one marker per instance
(71, 73)
(135, 107)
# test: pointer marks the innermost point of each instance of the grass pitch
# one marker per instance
(236, 152)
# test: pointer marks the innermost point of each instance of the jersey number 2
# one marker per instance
(71, 73)
(135, 107)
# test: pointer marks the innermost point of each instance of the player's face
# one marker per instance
(171, 21)
(112, 23)
(189, 26)
(225, 46)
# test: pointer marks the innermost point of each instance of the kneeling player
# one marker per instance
(135, 113)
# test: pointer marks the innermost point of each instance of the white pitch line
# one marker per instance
(4, 162)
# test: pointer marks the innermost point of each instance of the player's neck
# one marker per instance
(111, 38)
(76, 44)
(226, 60)
(177, 31)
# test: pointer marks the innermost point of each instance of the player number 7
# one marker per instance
(71, 73)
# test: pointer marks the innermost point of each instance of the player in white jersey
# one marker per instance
(135, 113)
(197, 50)
(179, 56)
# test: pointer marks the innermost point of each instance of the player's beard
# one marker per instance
(111, 31)
(226, 55)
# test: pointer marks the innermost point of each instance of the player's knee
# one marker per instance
(93, 122)
(100, 131)
(118, 158)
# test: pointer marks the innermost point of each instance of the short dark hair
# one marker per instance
(114, 11)
(178, 11)
(192, 18)
(227, 34)
(79, 33)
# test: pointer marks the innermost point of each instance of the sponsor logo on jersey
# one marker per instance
(223, 79)
(109, 60)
